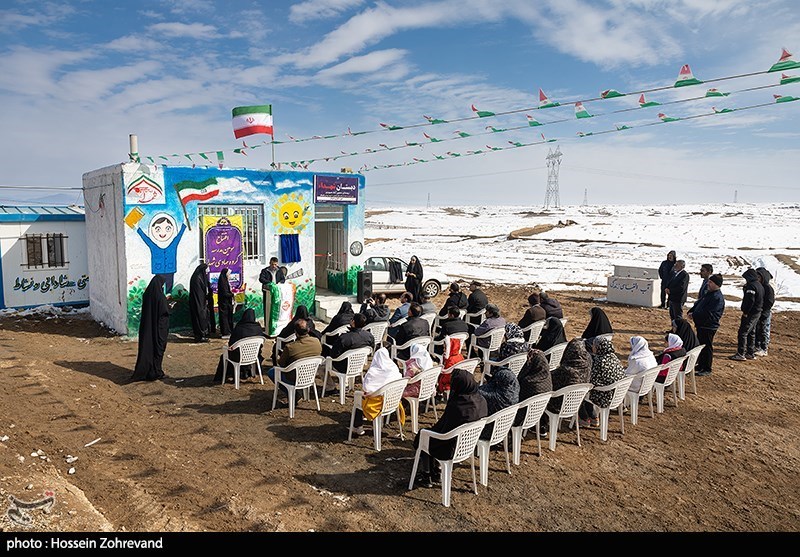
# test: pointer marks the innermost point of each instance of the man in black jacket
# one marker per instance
(270, 274)
(414, 327)
(456, 297)
(677, 289)
(665, 274)
(376, 309)
(450, 325)
(355, 338)
(765, 321)
(706, 313)
(752, 304)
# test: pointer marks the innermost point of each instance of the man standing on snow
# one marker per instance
(752, 304)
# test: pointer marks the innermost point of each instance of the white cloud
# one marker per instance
(133, 44)
(42, 15)
(96, 85)
(320, 9)
(30, 72)
(372, 62)
(192, 30)
(190, 6)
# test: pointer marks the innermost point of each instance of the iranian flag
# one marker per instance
(786, 79)
(580, 111)
(482, 113)
(544, 102)
(281, 301)
(532, 121)
(610, 94)
(786, 62)
(189, 190)
(721, 110)
(644, 104)
(249, 120)
(785, 98)
(713, 92)
(685, 77)
(665, 118)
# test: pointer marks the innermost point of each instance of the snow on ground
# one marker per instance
(472, 242)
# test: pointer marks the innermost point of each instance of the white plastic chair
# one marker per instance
(280, 342)
(466, 437)
(469, 365)
(554, 353)
(476, 318)
(648, 377)
(427, 392)
(378, 330)
(356, 360)
(571, 403)
(332, 335)
(620, 389)
(424, 341)
(440, 357)
(688, 369)
(513, 362)
(495, 337)
(563, 321)
(673, 367)
(305, 378)
(249, 349)
(502, 420)
(534, 408)
(430, 317)
(608, 336)
(533, 331)
(391, 392)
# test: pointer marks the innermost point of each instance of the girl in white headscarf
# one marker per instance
(640, 359)
(673, 351)
(381, 371)
(419, 361)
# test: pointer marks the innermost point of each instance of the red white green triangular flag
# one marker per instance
(517, 143)
(786, 79)
(452, 154)
(611, 93)
(622, 127)
(432, 139)
(786, 62)
(581, 134)
(665, 118)
(391, 127)
(644, 104)
(462, 134)
(494, 148)
(481, 113)
(785, 98)
(495, 130)
(721, 110)
(580, 111)
(685, 77)
(433, 120)
(532, 121)
(544, 102)
(714, 92)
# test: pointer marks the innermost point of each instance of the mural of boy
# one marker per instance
(163, 243)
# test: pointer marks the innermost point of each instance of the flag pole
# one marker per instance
(185, 215)
(272, 142)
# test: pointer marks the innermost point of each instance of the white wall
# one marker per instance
(23, 287)
(108, 300)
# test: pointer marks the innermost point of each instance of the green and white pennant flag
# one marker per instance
(644, 103)
(532, 121)
(482, 113)
(580, 111)
(685, 77)
(786, 62)
(665, 118)
(721, 110)
(610, 94)
(786, 79)
(714, 92)
(544, 102)
(785, 98)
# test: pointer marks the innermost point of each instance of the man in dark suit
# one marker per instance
(270, 274)
(450, 325)
(677, 289)
(415, 327)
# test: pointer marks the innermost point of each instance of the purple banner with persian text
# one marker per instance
(224, 248)
(336, 189)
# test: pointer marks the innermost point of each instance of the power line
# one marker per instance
(456, 177)
(37, 188)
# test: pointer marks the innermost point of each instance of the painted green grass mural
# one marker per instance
(344, 283)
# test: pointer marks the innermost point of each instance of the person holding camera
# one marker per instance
(375, 310)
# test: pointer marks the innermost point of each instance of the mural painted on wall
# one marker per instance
(344, 283)
(162, 239)
(284, 206)
(224, 249)
(50, 283)
(144, 189)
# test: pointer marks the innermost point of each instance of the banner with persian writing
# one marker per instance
(223, 247)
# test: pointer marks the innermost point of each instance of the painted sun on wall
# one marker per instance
(291, 213)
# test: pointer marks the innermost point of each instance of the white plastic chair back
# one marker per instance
(424, 341)
(305, 378)
(378, 330)
(533, 331)
(688, 369)
(673, 368)
(534, 408)
(356, 360)
(249, 349)
(620, 391)
(573, 396)
(495, 337)
(281, 341)
(333, 334)
(428, 380)
(445, 344)
(391, 392)
(502, 420)
(466, 437)
(648, 378)
(554, 354)
(515, 362)
(470, 365)
(474, 318)
(429, 317)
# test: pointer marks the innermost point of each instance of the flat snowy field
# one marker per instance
(577, 247)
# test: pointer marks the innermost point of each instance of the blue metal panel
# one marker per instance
(10, 213)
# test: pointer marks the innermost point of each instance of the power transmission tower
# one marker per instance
(551, 198)
(735, 196)
(585, 197)
(429, 200)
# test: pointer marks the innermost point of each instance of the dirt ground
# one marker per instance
(188, 455)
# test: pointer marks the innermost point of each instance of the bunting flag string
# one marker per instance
(685, 78)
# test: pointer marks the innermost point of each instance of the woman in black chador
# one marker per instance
(414, 277)
(198, 303)
(225, 303)
(153, 332)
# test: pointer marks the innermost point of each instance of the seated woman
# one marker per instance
(575, 367)
(606, 369)
(247, 327)
(382, 370)
(451, 356)
(465, 405)
(501, 390)
(683, 329)
(513, 342)
(552, 334)
(419, 361)
(640, 359)
(674, 350)
(598, 325)
(534, 379)
(343, 317)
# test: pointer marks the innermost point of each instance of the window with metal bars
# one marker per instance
(252, 227)
(45, 250)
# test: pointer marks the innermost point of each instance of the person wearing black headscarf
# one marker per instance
(300, 313)
(153, 332)
(414, 277)
(552, 334)
(534, 379)
(198, 303)
(575, 367)
(225, 303)
(341, 319)
(683, 329)
(501, 390)
(212, 321)
(598, 325)
(665, 274)
(466, 404)
(247, 327)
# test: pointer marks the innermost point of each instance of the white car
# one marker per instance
(379, 265)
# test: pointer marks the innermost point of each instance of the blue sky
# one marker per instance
(76, 78)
